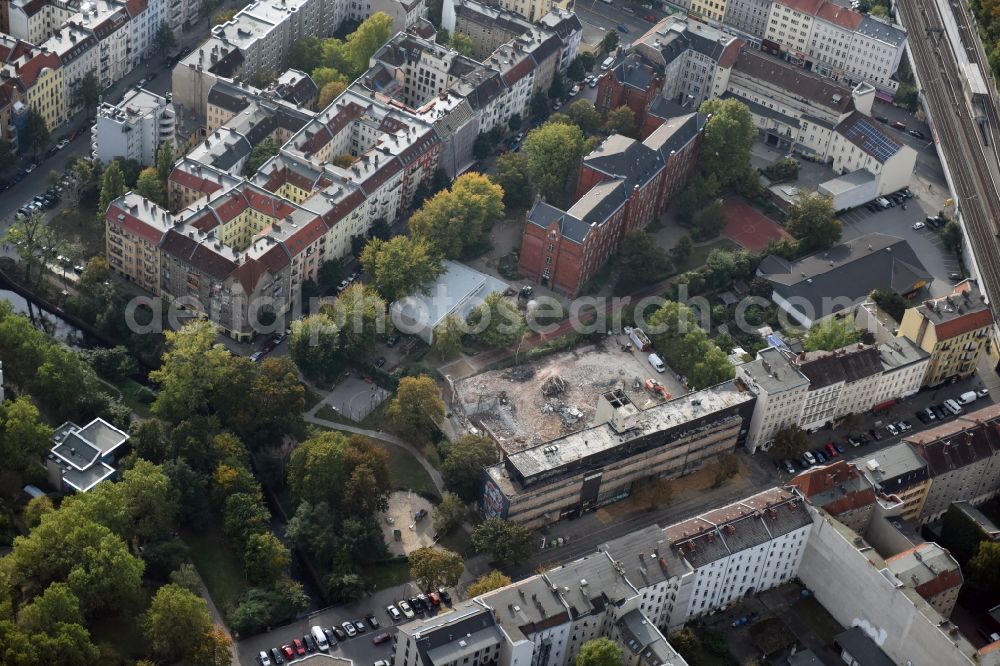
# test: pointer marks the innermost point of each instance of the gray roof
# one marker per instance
(899, 353)
(623, 157)
(677, 132)
(600, 202)
(457, 291)
(898, 467)
(543, 214)
(589, 584)
(467, 629)
(890, 34)
(526, 607)
(77, 451)
(773, 372)
(864, 650)
(643, 639)
(846, 183)
(645, 556)
(765, 112)
(848, 364)
(851, 270)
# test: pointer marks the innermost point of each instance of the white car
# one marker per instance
(407, 611)
(349, 629)
(575, 89)
(62, 144)
(918, 225)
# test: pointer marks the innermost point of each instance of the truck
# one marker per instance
(640, 340)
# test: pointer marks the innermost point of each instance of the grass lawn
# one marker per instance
(818, 618)
(218, 565)
(407, 474)
(131, 390)
(311, 399)
(387, 574)
(699, 253)
(81, 230)
(331, 414)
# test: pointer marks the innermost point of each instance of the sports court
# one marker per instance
(748, 227)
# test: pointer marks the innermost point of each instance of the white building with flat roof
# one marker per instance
(134, 128)
(456, 292)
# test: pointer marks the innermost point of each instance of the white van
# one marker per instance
(952, 407)
(967, 397)
(657, 363)
(320, 638)
(606, 65)
(882, 203)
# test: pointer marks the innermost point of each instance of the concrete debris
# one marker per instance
(554, 385)
(520, 373)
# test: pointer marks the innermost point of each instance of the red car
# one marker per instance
(380, 638)
(651, 18)
(832, 450)
(435, 599)
(300, 649)
(288, 651)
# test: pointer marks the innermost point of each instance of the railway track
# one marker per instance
(958, 135)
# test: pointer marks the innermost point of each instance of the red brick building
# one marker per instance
(623, 185)
(632, 82)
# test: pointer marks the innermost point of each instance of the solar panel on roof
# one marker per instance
(872, 139)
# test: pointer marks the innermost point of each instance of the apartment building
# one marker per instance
(837, 42)
(748, 18)
(843, 381)
(79, 54)
(713, 10)
(145, 19)
(585, 470)
(404, 13)
(841, 490)
(40, 74)
(781, 390)
(899, 472)
(623, 185)
(109, 23)
(748, 546)
(31, 20)
(932, 572)
(954, 330)
(962, 458)
(11, 107)
(134, 128)
(467, 635)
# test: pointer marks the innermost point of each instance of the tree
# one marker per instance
(584, 115)
(223, 16)
(215, 648)
(360, 315)
(417, 408)
(260, 153)
(329, 92)
(539, 105)
(455, 220)
(150, 186)
(653, 492)
(790, 442)
(174, 619)
(951, 236)
(576, 71)
(787, 168)
(367, 38)
(508, 543)
(687, 644)
(557, 90)
(448, 336)
(191, 367)
(463, 464)
(315, 346)
(515, 122)
(725, 467)
(610, 41)
(463, 44)
(35, 241)
(25, 439)
(435, 567)
(891, 303)
(511, 173)
(450, 513)
(620, 120)
(265, 559)
(811, 219)
(56, 605)
(686, 346)
(488, 582)
(729, 135)
(165, 161)
(831, 334)
(496, 322)
(33, 136)
(599, 652)
(36, 508)
(400, 266)
(306, 54)
(642, 262)
(554, 151)
(324, 75)
(87, 92)
(112, 187)
(681, 250)
(244, 515)
(984, 568)
(906, 96)
(164, 40)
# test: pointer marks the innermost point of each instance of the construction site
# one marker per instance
(539, 401)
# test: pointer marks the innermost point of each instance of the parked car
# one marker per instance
(574, 90)
(360, 626)
(832, 450)
(434, 598)
(893, 430)
(288, 651)
(940, 412)
(820, 456)
(982, 393)
(881, 119)
(445, 597)
(650, 17)
(349, 629)
(789, 467)
(256, 356)
(372, 620)
(378, 639)
(310, 643)
(918, 134)
(276, 657)
(622, 28)
(967, 397)
(918, 225)
(339, 633)
(391, 342)
(901, 126)
(331, 637)
(300, 649)
(407, 610)
(380, 361)
(594, 81)
(394, 613)
(808, 459)
(264, 659)
(924, 416)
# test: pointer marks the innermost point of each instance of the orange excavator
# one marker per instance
(657, 389)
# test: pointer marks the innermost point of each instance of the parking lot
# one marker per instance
(360, 648)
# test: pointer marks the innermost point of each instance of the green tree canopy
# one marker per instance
(315, 346)
(150, 186)
(462, 467)
(790, 442)
(729, 135)
(641, 262)
(33, 136)
(448, 336)
(260, 153)
(610, 41)
(984, 568)
(599, 652)
(488, 582)
(554, 151)
(435, 567)
(686, 347)
(361, 315)
(265, 559)
(496, 322)
(400, 266)
(417, 408)
(306, 54)
(454, 220)
(831, 334)
(621, 121)
(87, 92)
(175, 621)
(507, 542)
(164, 161)
(450, 513)
(112, 187)
(584, 115)
(811, 219)
(512, 174)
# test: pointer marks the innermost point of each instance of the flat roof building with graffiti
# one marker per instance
(590, 468)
